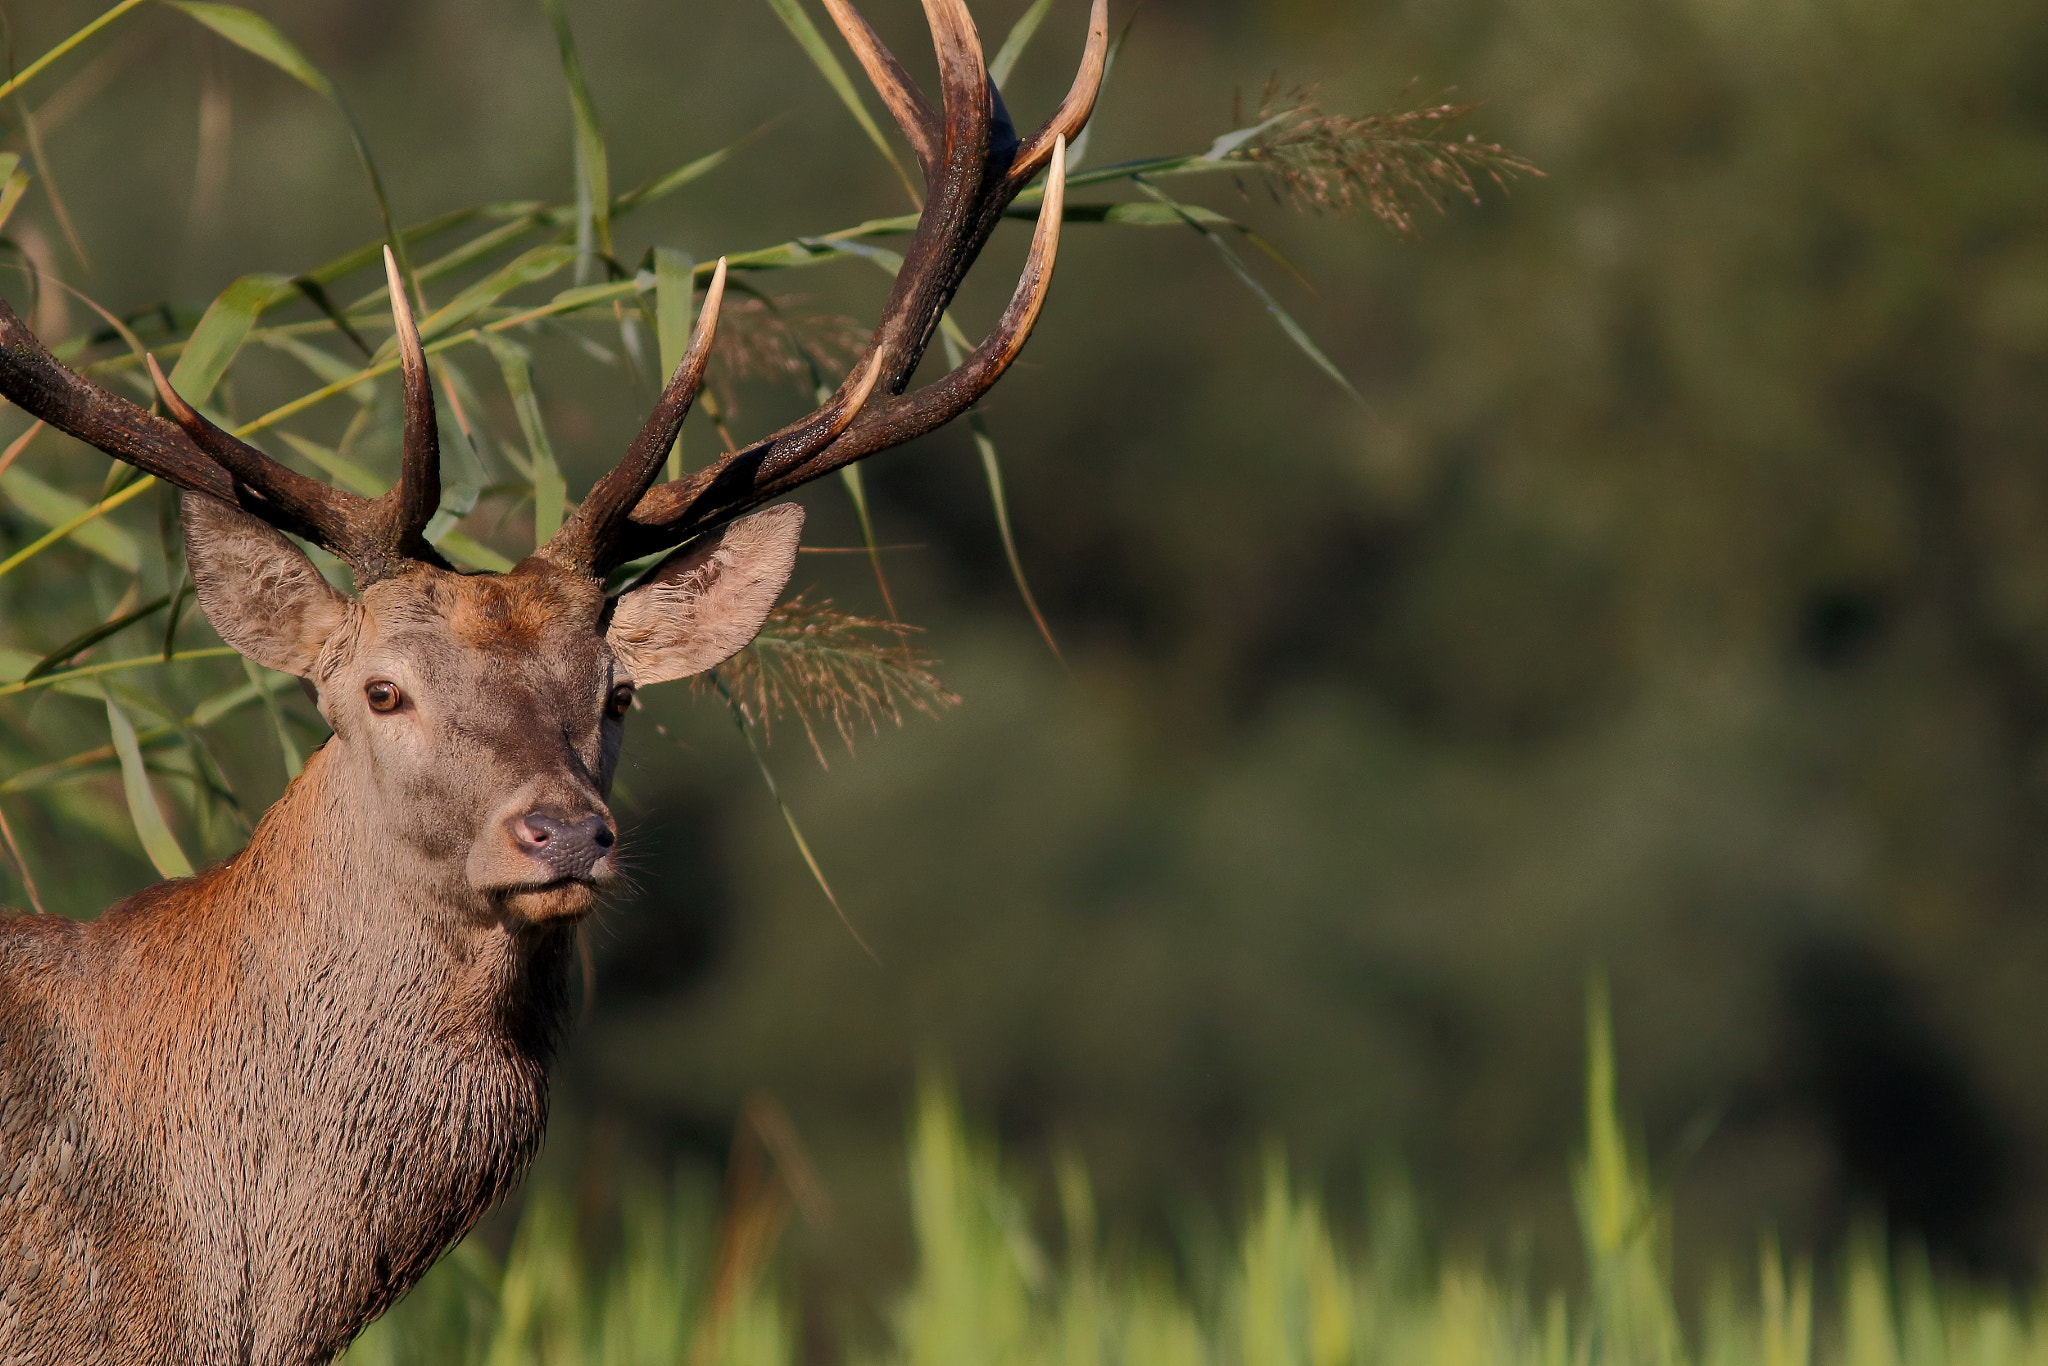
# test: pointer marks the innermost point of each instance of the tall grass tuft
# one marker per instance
(986, 1292)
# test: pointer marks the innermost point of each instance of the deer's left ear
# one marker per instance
(703, 604)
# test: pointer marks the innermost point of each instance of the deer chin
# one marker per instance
(557, 901)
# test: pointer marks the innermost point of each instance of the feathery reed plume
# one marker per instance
(1392, 164)
(819, 664)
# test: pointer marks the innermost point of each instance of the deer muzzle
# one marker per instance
(545, 859)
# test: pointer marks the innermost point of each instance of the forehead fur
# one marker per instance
(494, 613)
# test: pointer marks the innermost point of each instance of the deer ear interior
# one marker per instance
(258, 590)
(701, 605)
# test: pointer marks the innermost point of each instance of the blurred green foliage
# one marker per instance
(1675, 599)
(1289, 1290)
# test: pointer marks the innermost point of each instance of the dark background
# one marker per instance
(1680, 609)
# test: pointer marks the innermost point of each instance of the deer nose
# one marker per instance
(571, 848)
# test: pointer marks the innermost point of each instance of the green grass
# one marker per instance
(685, 1287)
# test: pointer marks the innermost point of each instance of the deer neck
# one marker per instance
(370, 1047)
(325, 925)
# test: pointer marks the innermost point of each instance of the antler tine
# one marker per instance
(1072, 115)
(586, 541)
(330, 516)
(794, 445)
(912, 111)
(411, 502)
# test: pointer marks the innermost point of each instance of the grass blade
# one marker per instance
(675, 286)
(992, 467)
(957, 347)
(856, 490)
(47, 505)
(222, 331)
(157, 840)
(593, 170)
(1020, 38)
(66, 678)
(550, 494)
(256, 35)
(665, 185)
(746, 729)
(292, 763)
(70, 649)
(28, 881)
(798, 21)
(1294, 330)
(42, 63)
(528, 268)
(14, 187)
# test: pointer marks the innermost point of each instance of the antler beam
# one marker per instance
(974, 166)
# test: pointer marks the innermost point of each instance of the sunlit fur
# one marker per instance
(241, 1112)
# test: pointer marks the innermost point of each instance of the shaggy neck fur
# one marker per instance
(242, 1112)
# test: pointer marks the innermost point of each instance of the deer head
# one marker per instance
(481, 714)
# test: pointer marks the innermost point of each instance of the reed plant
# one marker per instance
(115, 702)
(989, 1288)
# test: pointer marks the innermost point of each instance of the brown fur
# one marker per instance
(240, 1113)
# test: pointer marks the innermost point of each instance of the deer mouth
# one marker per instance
(564, 899)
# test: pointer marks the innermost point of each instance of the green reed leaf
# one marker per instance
(1020, 37)
(593, 170)
(150, 827)
(327, 367)
(1296, 333)
(256, 35)
(286, 746)
(338, 467)
(798, 21)
(474, 554)
(675, 292)
(79, 644)
(42, 63)
(13, 185)
(72, 518)
(222, 331)
(66, 680)
(528, 268)
(992, 470)
(550, 494)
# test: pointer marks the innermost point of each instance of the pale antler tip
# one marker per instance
(401, 312)
(182, 411)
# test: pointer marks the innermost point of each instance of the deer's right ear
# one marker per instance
(258, 590)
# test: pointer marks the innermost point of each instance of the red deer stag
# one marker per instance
(242, 1112)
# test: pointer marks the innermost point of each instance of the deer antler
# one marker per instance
(974, 166)
(376, 536)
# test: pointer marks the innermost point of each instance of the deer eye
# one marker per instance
(620, 699)
(383, 695)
